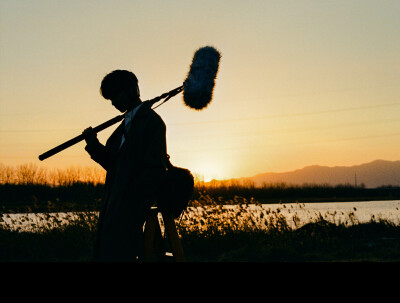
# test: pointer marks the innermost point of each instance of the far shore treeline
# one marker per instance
(30, 188)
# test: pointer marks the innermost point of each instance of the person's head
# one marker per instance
(121, 87)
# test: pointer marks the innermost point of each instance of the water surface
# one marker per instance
(296, 214)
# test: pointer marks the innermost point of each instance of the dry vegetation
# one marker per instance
(32, 174)
(212, 234)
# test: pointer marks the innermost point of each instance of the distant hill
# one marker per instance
(373, 174)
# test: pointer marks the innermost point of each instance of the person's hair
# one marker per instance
(116, 81)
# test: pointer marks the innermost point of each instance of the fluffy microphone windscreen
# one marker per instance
(199, 84)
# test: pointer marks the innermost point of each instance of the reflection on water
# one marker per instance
(296, 214)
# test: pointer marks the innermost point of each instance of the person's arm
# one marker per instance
(97, 151)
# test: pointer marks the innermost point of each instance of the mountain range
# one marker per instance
(374, 174)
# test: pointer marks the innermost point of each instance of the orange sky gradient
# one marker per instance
(300, 82)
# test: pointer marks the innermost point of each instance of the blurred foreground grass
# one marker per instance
(214, 234)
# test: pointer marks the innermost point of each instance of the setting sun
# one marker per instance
(208, 170)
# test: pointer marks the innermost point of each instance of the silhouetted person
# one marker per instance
(134, 158)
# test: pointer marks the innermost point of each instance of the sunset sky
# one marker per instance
(299, 83)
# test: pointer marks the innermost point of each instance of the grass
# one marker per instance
(50, 241)
(239, 237)
(214, 234)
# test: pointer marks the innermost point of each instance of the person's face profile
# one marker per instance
(121, 101)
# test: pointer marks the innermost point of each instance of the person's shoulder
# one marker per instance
(152, 114)
(157, 118)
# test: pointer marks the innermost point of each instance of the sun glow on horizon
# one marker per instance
(207, 171)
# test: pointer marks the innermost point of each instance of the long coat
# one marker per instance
(134, 173)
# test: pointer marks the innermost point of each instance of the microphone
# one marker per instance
(197, 92)
(199, 84)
